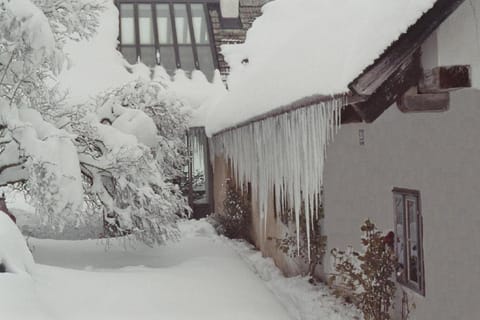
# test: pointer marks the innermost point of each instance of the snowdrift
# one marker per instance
(14, 253)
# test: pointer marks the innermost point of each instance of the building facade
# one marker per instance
(405, 157)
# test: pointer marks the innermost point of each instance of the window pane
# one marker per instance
(199, 24)
(413, 249)
(164, 24)
(130, 54)
(127, 24)
(186, 58)
(198, 166)
(181, 23)
(145, 23)
(399, 230)
(147, 55)
(205, 60)
(167, 59)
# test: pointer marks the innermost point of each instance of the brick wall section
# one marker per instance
(249, 11)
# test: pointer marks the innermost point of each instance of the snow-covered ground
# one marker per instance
(203, 276)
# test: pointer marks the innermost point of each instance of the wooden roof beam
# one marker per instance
(445, 79)
(405, 77)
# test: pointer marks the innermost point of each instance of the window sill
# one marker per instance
(410, 290)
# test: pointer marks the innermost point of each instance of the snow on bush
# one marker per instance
(132, 166)
(14, 253)
(164, 119)
(72, 164)
(33, 150)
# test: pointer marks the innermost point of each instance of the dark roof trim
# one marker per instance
(298, 104)
(400, 50)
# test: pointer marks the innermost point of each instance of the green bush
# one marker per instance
(235, 221)
(367, 279)
(288, 244)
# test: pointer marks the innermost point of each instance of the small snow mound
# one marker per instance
(14, 253)
(301, 299)
(138, 124)
(196, 228)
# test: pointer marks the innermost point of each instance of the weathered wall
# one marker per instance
(263, 239)
(437, 154)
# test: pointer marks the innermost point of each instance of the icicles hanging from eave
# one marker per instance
(285, 154)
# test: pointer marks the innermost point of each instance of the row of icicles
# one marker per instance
(284, 154)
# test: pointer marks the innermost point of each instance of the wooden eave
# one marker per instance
(382, 82)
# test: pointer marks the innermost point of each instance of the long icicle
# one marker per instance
(284, 154)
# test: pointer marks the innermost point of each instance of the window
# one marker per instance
(173, 34)
(408, 239)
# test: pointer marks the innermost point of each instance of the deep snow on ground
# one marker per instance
(203, 276)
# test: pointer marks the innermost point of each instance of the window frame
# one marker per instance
(156, 45)
(403, 276)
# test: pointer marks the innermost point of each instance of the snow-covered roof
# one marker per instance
(299, 48)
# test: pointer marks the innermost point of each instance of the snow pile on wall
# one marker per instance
(298, 48)
(14, 253)
(300, 299)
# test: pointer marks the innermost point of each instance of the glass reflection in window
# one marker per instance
(127, 24)
(145, 23)
(199, 24)
(181, 24)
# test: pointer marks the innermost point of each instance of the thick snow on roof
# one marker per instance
(299, 48)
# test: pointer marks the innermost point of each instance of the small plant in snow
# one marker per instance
(288, 244)
(234, 222)
(367, 278)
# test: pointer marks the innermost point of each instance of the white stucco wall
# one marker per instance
(435, 153)
(458, 39)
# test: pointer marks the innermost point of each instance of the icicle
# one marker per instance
(284, 154)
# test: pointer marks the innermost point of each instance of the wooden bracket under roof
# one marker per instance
(434, 87)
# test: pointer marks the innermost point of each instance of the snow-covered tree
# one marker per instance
(132, 152)
(32, 36)
(71, 162)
